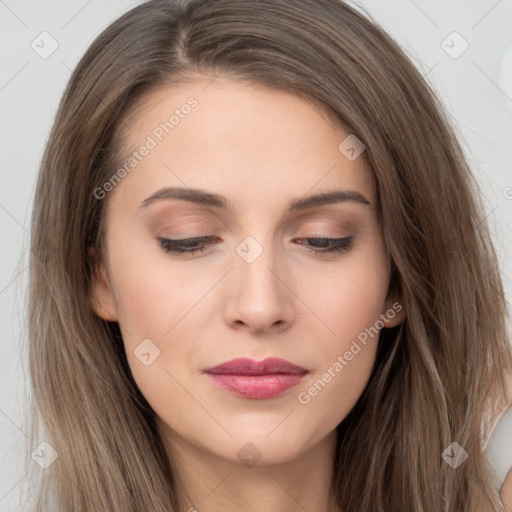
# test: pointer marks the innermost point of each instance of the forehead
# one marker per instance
(228, 134)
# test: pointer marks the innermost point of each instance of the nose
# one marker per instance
(260, 299)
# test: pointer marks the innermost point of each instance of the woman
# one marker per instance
(260, 274)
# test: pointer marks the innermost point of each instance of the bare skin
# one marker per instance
(260, 149)
(506, 492)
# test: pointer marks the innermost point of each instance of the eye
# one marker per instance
(200, 243)
(186, 245)
(338, 244)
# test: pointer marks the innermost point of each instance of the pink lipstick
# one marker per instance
(256, 379)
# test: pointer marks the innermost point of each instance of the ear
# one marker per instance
(393, 313)
(102, 298)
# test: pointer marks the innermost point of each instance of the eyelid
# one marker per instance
(189, 246)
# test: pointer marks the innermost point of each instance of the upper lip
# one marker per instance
(245, 366)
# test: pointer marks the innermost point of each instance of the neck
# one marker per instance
(210, 483)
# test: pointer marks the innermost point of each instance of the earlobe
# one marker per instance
(394, 312)
(102, 298)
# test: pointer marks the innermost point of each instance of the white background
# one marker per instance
(476, 88)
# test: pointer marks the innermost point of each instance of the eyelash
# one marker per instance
(180, 246)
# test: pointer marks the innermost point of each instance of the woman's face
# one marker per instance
(263, 285)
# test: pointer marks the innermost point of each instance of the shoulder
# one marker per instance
(506, 491)
(495, 413)
(496, 437)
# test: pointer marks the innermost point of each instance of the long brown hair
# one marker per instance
(435, 374)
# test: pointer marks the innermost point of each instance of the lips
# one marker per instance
(256, 379)
(244, 366)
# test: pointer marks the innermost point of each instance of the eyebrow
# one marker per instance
(204, 198)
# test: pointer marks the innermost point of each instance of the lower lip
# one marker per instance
(256, 386)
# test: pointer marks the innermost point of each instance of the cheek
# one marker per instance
(349, 304)
(348, 298)
(153, 293)
(162, 301)
(153, 312)
(343, 359)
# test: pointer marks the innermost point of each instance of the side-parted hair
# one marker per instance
(434, 375)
